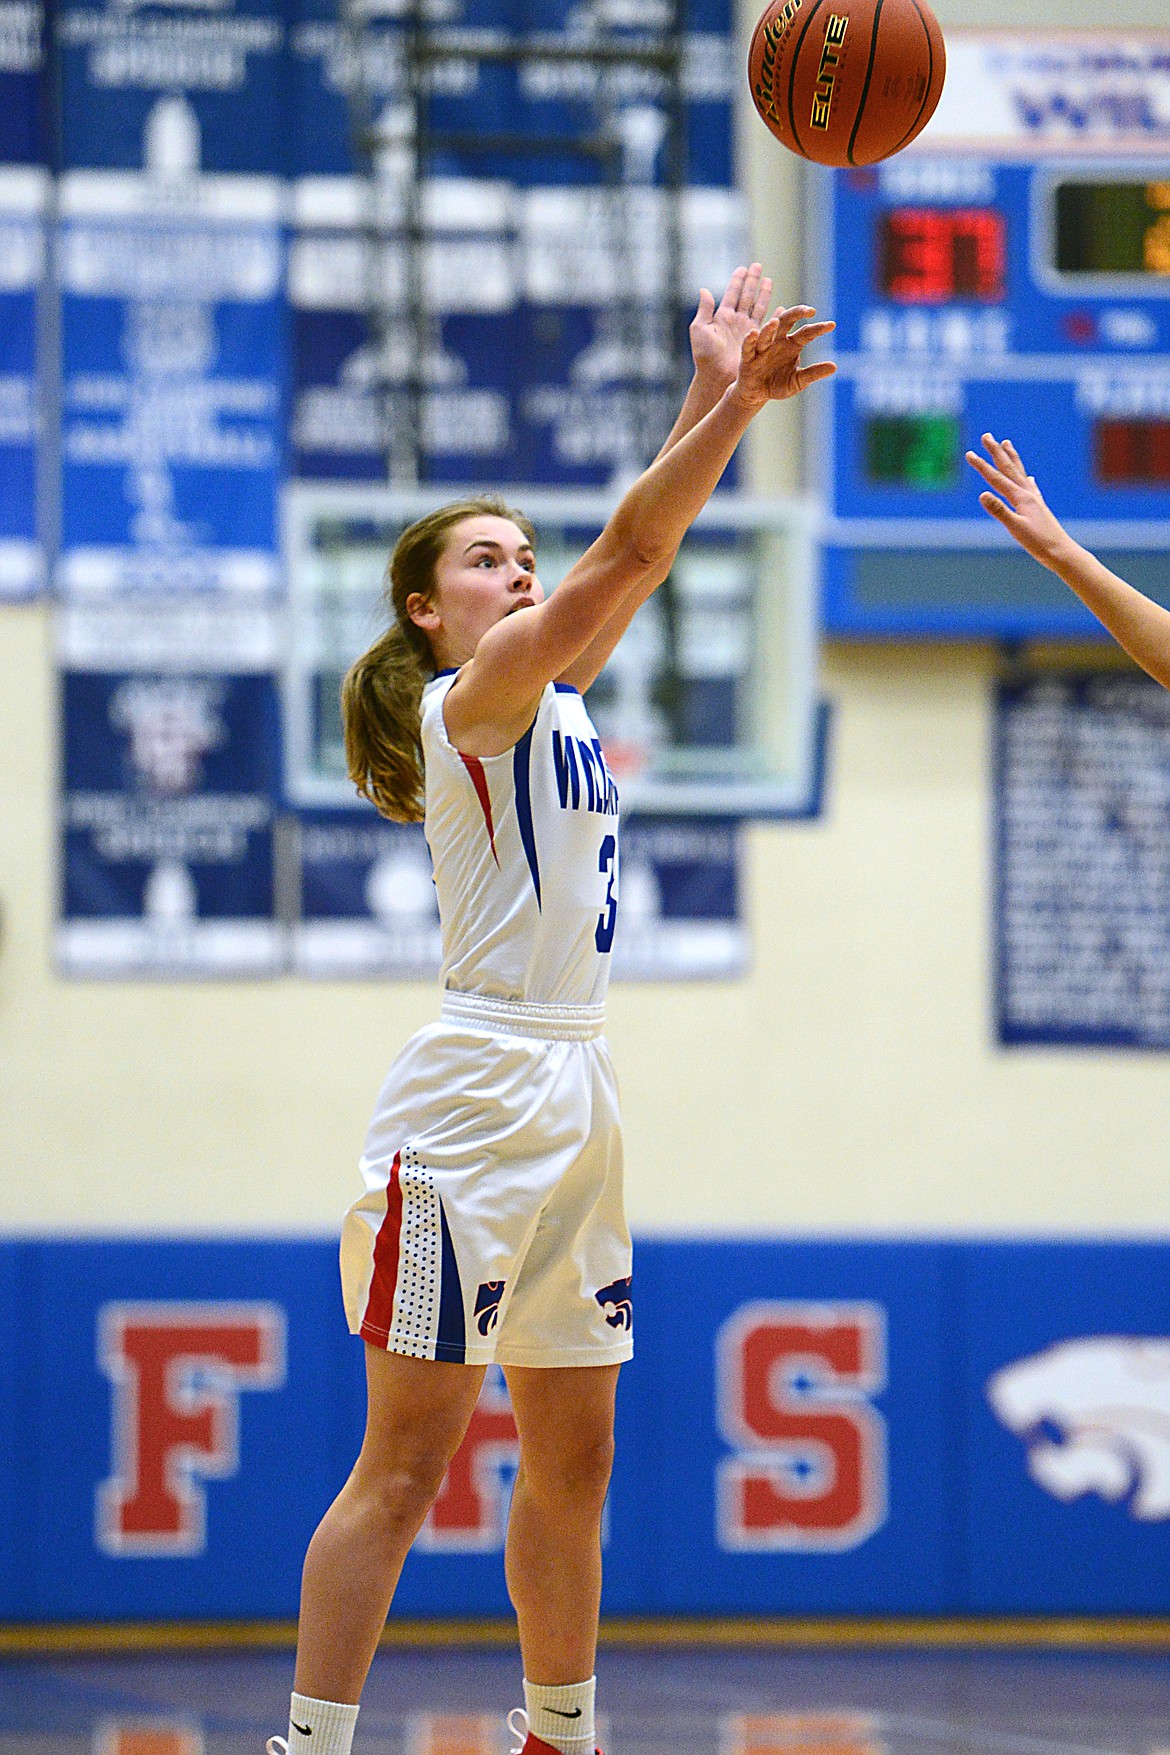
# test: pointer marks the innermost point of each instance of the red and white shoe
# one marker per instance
(529, 1743)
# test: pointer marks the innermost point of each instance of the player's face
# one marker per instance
(487, 570)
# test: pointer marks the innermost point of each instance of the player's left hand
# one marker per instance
(718, 330)
(1017, 502)
(769, 358)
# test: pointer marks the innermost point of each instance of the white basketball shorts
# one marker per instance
(493, 1229)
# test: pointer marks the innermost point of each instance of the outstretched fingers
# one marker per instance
(1000, 474)
(806, 375)
(1005, 456)
(733, 297)
(770, 367)
(810, 332)
(997, 507)
(758, 341)
(1007, 485)
(1014, 500)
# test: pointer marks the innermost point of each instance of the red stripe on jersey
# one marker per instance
(479, 780)
(380, 1303)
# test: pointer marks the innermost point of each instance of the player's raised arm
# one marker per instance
(717, 335)
(1012, 497)
(496, 692)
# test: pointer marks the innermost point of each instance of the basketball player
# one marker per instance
(492, 1228)
(1139, 625)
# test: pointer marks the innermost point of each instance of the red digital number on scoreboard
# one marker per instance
(1131, 452)
(935, 255)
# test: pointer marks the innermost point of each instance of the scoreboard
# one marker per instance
(1008, 272)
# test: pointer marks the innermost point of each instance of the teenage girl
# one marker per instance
(1138, 624)
(492, 1228)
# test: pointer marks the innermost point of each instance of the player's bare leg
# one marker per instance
(417, 1414)
(553, 1558)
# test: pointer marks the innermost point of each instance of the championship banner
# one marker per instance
(367, 898)
(519, 383)
(1083, 856)
(538, 360)
(679, 913)
(170, 773)
(368, 906)
(23, 192)
(219, 68)
(343, 413)
(22, 110)
(172, 368)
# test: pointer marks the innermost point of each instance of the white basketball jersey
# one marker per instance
(524, 847)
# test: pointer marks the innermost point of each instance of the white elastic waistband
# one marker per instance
(516, 1017)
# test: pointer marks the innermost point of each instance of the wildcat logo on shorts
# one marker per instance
(1094, 1415)
(620, 1295)
(487, 1305)
(808, 1469)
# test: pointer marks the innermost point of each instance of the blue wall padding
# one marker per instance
(806, 1428)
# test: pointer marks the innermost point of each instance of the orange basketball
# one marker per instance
(846, 82)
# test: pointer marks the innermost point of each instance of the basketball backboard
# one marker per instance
(709, 704)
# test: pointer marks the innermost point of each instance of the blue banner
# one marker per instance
(168, 863)
(534, 365)
(172, 371)
(23, 191)
(550, 261)
(171, 82)
(367, 904)
(847, 1428)
(23, 131)
(367, 899)
(1083, 860)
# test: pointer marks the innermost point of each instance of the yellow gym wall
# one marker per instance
(848, 1084)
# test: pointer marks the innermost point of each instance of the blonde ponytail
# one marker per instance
(381, 695)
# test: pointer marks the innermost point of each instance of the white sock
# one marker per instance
(562, 1716)
(320, 1727)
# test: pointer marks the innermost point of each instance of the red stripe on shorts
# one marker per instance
(380, 1303)
(479, 780)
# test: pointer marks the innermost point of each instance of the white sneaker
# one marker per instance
(276, 1746)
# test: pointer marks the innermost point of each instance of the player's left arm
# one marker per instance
(1138, 624)
(716, 336)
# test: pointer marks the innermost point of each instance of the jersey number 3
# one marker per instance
(607, 919)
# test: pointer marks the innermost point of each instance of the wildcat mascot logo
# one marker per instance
(1095, 1417)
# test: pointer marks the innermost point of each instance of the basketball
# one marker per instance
(846, 82)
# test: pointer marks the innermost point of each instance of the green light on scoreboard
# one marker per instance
(1113, 228)
(914, 450)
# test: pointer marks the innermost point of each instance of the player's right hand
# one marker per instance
(769, 360)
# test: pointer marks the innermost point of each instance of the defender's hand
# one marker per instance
(1017, 502)
(718, 330)
(769, 359)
